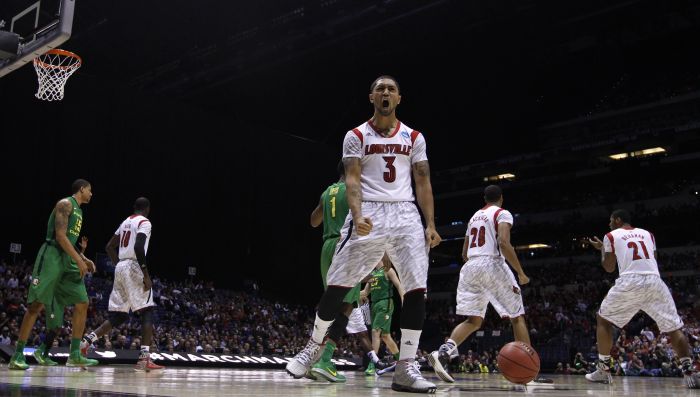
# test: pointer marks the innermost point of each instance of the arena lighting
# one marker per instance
(532, 246)
(499, 177)
(638, 153)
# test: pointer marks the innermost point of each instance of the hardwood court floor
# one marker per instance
(120, 380)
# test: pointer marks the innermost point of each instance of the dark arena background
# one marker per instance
(230, 118)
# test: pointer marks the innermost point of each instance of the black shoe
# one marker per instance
(382, 364)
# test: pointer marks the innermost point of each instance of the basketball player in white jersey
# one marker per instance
(485, 278)
(639, 287)
(380, 157)
(132, 284)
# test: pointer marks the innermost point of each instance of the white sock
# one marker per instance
(604, 359)
(409, 343)
(451, 347)
(145, 348)
(373, 356)
(92, 337)
(320, 329)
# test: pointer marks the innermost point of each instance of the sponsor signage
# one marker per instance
(116, 356)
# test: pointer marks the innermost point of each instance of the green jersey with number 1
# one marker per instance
(335, 209)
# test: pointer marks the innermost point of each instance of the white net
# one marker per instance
(53, 70)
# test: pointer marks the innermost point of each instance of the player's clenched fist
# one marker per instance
(363, 226)
(433, 237)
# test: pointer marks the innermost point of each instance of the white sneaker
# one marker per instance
(600, 376)
(408, 378)
(439, 361)
(304, 360)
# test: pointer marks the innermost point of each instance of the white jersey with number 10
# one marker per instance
(127, 235)
(482, 231)
(634, 249)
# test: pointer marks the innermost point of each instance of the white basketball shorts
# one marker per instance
(646, 292)
(485, 280)
(398, 231)
(127, 292)
(356, 322)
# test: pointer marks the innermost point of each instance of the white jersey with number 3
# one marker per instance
(634, 249)
(482, 231)
(127, 235)
(386, 161)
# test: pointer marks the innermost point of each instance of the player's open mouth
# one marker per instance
(385, 103)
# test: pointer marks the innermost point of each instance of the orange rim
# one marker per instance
(58, 51)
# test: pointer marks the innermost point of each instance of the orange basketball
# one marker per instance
(519, 362)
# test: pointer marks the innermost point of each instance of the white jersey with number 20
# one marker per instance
(482, 231)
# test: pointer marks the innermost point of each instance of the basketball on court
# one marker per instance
(518, 362)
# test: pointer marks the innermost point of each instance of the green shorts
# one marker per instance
(381, 315)
(353, 296)
(55, 280)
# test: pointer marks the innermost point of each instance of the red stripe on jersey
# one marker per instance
(133, 216)
(652, 238)
(142, 221)
(612, 241)
(398, 126)
(414, 136)
(359, 135)
(495, 219)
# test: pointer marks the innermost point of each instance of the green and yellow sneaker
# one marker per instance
(41, 360)
(327, 370)
(370, 370)
(78, 360)
(17, 362)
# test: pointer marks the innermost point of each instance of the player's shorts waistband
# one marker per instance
(484, 260)
(127, 260)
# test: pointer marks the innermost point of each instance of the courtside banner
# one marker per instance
(60, 354)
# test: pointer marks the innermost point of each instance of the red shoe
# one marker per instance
(146, 365)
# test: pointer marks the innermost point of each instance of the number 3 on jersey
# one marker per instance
(390, 176)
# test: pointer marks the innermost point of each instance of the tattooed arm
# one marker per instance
(62, 213)
(353, 193)
(424, 196)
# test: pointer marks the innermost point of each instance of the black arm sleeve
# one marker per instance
(140, 249)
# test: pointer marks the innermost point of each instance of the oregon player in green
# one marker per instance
(332, 209)
(380, 289)
(55, 280)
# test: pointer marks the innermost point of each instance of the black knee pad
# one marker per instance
(337, 329)
(331, 301)
(118, 318)
(146, 317)
(413, 312)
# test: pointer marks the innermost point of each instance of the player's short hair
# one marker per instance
(341, 168)
(623, 215)
(384, 76)
(492, 193)
(141, 204)
(79, 184)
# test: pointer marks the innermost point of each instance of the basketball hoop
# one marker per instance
(53, 70)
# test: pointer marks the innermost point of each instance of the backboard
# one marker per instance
(29, 28)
